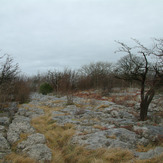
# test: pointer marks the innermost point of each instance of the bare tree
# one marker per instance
(54, 78)
(8, 74)
(138, 68)
(8, 71)
(97, 74)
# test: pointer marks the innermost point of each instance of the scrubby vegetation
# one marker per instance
(130, 70)
(13, 86)
(95, 81)
(45, 88)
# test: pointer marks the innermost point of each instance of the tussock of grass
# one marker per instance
(117, 155)
(142, 148)
(23, 136)
(152, 145)
(16, 158)
(58, 140)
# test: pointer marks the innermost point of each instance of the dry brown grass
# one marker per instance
(111, 136)
(160, 113)
(58, 140)
(142, 148)
(103, 106)
(100, 127)
(122, 99)
(17, 158)
(82, 104)
(152, 145)
(23, 136)
(57, 101)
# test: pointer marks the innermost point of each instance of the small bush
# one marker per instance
(21, 90)
(45, 88)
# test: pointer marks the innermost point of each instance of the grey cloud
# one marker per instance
(43, 34)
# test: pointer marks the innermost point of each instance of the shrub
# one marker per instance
(8, 74)
(22, 90)
(45, 88)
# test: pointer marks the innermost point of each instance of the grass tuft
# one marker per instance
(58, 139)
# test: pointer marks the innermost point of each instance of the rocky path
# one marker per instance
(97, 124)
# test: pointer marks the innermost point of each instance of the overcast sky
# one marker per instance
(51, 34)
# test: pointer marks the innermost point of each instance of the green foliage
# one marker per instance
(45, 88)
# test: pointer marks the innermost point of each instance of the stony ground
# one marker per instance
(98, 123)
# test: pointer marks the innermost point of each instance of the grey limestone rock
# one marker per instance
(92, 140)
(39, 152)
(150, 132)
(31, 140)
(124, 135)
(4, 120)
(2, 128)
(4, 147)
(31, 112)
(150, 154)
(20, 124)
(114, 114)
(57, 113)
(113, 143)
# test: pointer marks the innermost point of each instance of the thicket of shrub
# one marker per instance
(45, 88)
(12, 86)
(98, 75)
(21, 90)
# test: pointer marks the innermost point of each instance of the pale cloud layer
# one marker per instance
(48, 34)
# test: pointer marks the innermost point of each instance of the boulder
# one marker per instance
(20, 124)
(114, 114)
(31, 140)
(143, 141)
(4, 120)
(92, 140)
(2, 128)
(126, 115)
(12, 109)
(31, 112)
(152, 132)
(123, 135)
(150, 154)
(38, 152)
(4, 147)
(117, 144)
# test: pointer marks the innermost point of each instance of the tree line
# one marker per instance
(135, 68)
